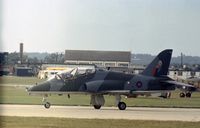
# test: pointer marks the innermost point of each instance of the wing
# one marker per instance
(109, 92)
(44, 93)
(129, 92)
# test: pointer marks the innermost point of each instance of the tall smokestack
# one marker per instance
(181, 60)
(21, 52)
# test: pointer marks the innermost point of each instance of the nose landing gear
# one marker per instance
(47, 105)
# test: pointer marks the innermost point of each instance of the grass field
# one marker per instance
(29, 122)
(18, 95)
(19, 80)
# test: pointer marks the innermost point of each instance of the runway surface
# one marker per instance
(136, 113)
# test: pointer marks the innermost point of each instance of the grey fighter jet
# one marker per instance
(98, 82)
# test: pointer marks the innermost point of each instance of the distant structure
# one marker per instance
(3, 62)
(3, 58)
(181, 60)
(99, 58)
(21, 52)
(23, 71)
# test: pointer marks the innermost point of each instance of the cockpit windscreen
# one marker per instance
(74, 73)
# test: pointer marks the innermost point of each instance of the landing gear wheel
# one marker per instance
(182, 95)
(47, 105)
(122, 106)
(97, 106)
(188, 94)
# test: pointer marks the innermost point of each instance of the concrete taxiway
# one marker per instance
(131, 113)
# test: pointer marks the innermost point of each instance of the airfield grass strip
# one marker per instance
(15, 80)
(36, 122)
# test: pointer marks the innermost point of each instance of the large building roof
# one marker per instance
(84, 55)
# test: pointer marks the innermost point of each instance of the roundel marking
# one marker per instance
(139, 84)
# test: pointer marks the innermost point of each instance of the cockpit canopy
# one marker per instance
(73, 73)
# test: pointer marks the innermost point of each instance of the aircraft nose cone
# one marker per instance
(28, 88)
(40, 87)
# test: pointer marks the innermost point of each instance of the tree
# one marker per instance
(33, 60)
(13, 58)
(54, 58)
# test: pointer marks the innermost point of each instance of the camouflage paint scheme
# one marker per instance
(99, 82)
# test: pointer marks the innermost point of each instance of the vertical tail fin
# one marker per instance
(160, 65)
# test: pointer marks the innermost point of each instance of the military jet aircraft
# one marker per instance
(98, 82)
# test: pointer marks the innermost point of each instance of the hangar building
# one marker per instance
(99, 58)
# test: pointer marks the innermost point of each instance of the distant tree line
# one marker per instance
(14, 58)
(54, 58)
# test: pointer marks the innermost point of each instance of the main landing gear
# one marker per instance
(186, 94)
(121, 105)
(97, 106)
(98, 100)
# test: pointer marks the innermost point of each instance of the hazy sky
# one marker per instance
(140, 26)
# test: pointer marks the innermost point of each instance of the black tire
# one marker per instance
(97, 106)
(47, 105)
(122, 106)
(182, 95)
(188, 95)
